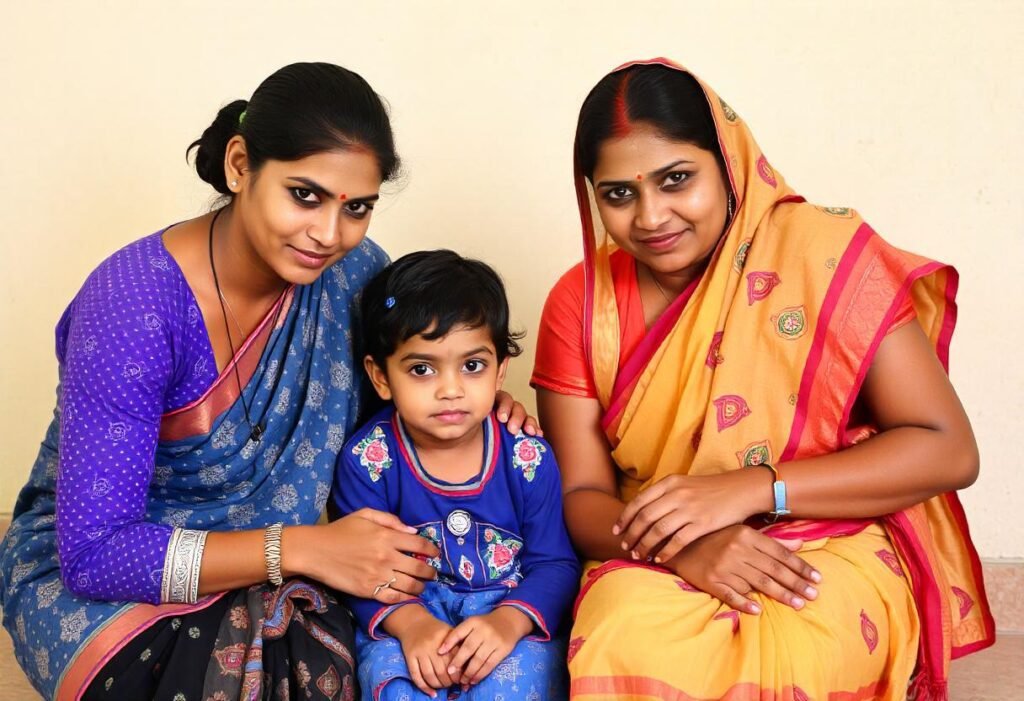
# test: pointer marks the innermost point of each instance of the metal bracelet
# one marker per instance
(272, 553)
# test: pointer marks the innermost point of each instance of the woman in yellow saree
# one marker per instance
(760, 446)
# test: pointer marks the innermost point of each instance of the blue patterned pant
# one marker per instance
(533, 671)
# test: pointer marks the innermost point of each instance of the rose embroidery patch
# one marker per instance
(500, 554)
(527, 456)
(373, 453)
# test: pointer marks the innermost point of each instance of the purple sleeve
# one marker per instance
(117, 365)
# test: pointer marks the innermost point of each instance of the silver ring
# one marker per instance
(384, 585)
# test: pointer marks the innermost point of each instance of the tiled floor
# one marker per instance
(996, 674)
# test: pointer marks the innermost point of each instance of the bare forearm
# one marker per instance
(590, 515)
(884, 474)
(235, 559)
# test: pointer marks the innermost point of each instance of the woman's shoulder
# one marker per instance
(140, 273)
(138, 287)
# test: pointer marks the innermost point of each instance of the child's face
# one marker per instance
(444, 388)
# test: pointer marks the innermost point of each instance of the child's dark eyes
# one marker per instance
(421, 370)
(474, 366)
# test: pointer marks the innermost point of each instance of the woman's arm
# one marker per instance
(353, 554)
(728, 564)
(572, 425)
(925, 447)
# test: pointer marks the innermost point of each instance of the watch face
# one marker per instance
(459, 522)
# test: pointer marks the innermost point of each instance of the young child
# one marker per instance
(436, 331)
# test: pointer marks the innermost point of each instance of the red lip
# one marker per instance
(309, 259)
(661, 241)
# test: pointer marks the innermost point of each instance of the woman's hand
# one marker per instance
(731, 563)
(513, 414)
(674, 512)
(358, 553)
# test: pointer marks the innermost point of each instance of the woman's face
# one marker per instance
(300, 217)
(665, 202)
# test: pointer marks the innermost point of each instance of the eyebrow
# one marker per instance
(653, 174)
(430, 358)
(319, 189)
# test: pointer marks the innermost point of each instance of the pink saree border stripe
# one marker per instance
(957, 509)
(608, 567)
(880, 334)
(630, 687)
(813, 530)
(196, 418)
(111, 639)
(850, 257)
(926, 593)
(949, 322)
(644, 352)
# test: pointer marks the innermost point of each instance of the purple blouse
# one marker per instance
(132, 346)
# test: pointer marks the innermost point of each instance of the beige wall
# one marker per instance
(908, 113)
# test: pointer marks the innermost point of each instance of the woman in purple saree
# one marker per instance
(206, 387)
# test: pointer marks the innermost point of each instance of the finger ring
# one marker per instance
(384, 585)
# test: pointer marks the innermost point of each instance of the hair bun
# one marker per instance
(211, 146)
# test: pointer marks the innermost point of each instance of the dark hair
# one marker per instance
(435, 291)
(300, 110)
(669, 100)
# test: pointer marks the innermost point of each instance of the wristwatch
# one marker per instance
(779, 490)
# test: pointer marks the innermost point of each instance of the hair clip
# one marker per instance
(241, 118)
(389, 302)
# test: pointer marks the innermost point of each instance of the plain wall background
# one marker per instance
(911, 113)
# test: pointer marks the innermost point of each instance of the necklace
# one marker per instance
(238, 327)
(658, 285)
(256, 430)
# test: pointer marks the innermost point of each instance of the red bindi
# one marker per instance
(343, 196)
(639, 176)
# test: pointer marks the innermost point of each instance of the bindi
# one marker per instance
(639, 177)
(343, 197)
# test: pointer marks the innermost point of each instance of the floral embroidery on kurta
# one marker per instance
(527, 456)
(500, 554)
(373, 453)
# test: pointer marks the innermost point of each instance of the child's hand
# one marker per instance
(421, 635)
(480, 643)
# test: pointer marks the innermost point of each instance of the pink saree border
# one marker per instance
(197, 418)
(632, 686)
(835, 290)
(111, 639)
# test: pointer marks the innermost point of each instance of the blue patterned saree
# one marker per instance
(300, 377)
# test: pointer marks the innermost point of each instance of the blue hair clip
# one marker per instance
(389, 302)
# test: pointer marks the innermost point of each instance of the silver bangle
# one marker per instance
(182, 564)
(272, 553)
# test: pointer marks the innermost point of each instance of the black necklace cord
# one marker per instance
(256, 430)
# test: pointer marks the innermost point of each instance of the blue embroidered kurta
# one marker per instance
(502, 530)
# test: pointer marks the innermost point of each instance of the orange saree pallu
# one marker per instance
(762, 360)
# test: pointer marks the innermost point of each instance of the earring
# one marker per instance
(234, 183)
